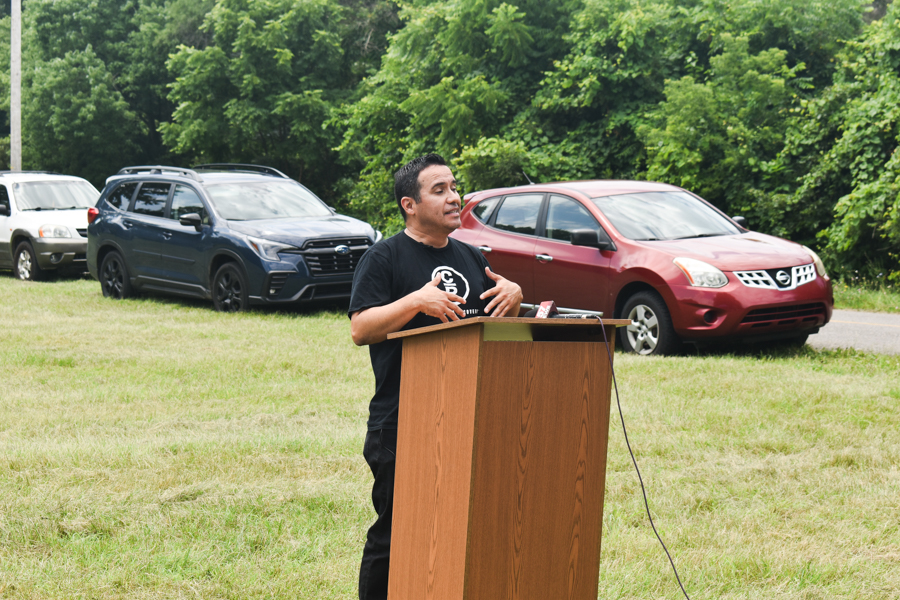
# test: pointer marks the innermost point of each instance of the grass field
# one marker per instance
(882, 297)
(153, 448)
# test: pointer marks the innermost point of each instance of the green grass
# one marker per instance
(153, 448)
(876, 297)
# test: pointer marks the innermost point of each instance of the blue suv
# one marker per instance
(236, 234)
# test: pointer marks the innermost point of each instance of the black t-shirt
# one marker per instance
(394, 268)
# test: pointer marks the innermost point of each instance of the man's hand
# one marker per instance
(437, 303)
(507, 296)
(373, 325)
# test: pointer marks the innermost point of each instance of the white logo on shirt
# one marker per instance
(452, 282)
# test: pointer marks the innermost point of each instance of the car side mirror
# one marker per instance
(592, 238)
(191, 220)
(740, 221)
(4, 210)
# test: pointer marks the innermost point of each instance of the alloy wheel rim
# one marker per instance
(643, 332)
(229, 293)
(112, 279)
(24, 265)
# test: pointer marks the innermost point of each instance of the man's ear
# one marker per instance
(408, 205)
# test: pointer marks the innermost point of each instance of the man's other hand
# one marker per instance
(507, 296)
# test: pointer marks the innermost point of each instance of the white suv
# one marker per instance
(43, 222)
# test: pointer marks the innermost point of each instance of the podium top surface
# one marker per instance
(576, 323)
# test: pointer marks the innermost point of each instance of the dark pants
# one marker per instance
(379, 450)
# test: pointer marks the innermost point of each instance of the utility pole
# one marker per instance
(15, 93)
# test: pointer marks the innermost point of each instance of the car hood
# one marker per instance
(75, 217)
(297, 231)
(743, 252)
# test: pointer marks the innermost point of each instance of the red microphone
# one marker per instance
(546, 310)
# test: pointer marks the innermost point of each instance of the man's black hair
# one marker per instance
(406, 179)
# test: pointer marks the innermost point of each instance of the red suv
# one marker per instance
(652, 253)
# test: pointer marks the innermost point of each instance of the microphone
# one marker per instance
(548, 310)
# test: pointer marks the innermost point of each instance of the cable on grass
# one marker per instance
(634, 461)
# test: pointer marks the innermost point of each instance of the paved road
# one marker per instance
(868, 331)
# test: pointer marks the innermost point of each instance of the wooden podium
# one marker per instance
(501, 460)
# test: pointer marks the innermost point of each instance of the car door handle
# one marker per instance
(167, 235)
(544, 257)
(128, 224)
(485, 249)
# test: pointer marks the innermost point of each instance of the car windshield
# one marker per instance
(251, 201)
(55, 195)
(663, 216)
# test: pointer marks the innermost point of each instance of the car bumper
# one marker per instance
(289, 290)
(740, 311)
(61, 253)
(290, 282)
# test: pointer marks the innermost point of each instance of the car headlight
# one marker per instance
(701, 274)
(266, 249)
(820, 266)
(378, 236)
(54, 231)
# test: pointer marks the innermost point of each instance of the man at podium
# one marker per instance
(416, 278)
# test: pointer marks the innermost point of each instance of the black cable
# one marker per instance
(633, 460)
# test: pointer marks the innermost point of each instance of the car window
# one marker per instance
(121, 196)
(565, 215)
(186, 201)
(663, 216)
(254, 200)
(4, 197)
(151, 199)
(55, 195)
(483, 209)
(519, 213)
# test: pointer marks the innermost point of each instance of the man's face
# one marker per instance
(439, 206)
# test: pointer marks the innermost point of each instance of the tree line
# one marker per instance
(784, 111)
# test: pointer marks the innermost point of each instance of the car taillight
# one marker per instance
(93, 213)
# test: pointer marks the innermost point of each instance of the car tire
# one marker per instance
(650, 331)
(797, 341)
(114, 280)
(230, 289)
(25, 264)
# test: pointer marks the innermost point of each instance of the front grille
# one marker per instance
(785, 315)
(778, 279)
(82, 232)
(322, 257)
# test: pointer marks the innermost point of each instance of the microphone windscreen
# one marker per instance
(531, 313)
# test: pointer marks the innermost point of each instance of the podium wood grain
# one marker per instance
(434, 458)
(501, 466)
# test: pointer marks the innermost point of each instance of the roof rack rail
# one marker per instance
(158, 170)
(239, 167)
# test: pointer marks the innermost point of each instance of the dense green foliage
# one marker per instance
(95, 81)
(268, 84)
(782, 111)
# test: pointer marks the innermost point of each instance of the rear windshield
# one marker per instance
(251, 201)
(663, 216)
(55, 195)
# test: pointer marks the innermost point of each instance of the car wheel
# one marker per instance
(650, 331)
(25, 263)
(797, 341)
(230, 289)
(114, 280)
